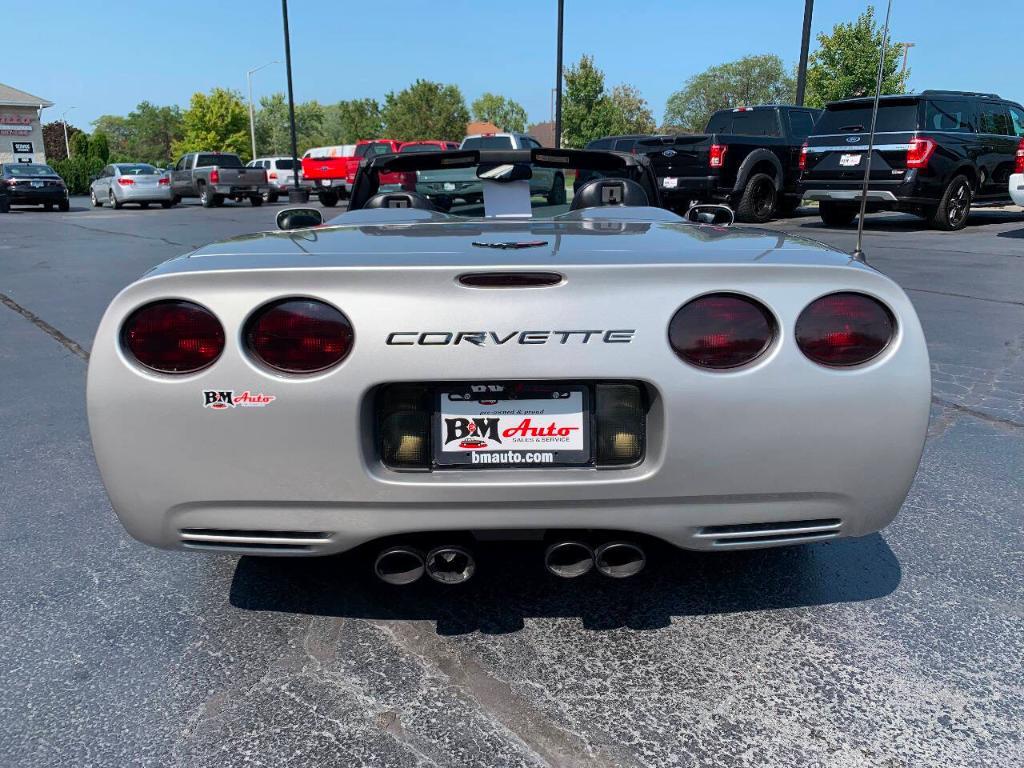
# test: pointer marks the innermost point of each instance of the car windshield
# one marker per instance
(855, 117)
(487, 142)
(221, 161)
(138, 169)
(502, 184)
(29, 169)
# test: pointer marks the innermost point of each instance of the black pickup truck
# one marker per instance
(748, 158)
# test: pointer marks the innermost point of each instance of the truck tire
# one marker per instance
(206, 198)
(270, 197)
(757, 204)
(557, 194)
(256, 201)
(837, 214)
(954, 208)
(328, 199)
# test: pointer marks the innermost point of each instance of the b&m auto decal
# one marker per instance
(222, 399)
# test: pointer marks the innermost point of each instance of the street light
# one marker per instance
(252, 112)
(296, 195)
(558, 78)
(805, 44)
(67, 146)
(906, 55)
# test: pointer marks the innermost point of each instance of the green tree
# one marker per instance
(587, 112)
(426, 110)
(119, 133)
(146, 134)
(273, 132)
(217, 121)
(53, 140)
(502, 112)
(751, 80)
(630, 112)
(349, 121)
(99, 147)
(846, 63)
(80, 145)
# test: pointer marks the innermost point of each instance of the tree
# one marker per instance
(145, 135)
(273, 131)
(218, 121)
(53, 140)
(846, 63)
(630, 112)
(349, 121)
(80, 144)
(504, 113)
(426, 110)
(587, 112)
(751, 80)
(99, 147)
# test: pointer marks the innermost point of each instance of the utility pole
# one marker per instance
(558, 79)
(67, 146)
(252, 109)
(805, 44)
(298, 194)
(906, 55)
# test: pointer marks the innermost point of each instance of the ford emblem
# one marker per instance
(852, 139)
(669, 153)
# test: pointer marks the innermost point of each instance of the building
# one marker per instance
(543, 132)
(21, 131)
(477, 127)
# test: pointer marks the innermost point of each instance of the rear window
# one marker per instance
(488, 142)
(285, 164)
(138, 169)
(856, 118)
(801, 124)
(221, 161)
(600, 144)
(29, 169)
(625, 145)
(419, 148)
(760, 122)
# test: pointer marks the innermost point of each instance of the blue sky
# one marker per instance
(105, 57)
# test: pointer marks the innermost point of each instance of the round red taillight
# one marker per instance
(299, 335)
(173, 336)
(721, 330)
(844, 329)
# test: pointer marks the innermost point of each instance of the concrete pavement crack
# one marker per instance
(69, 344)
(132, 234)
(977, 414)
(965, 296)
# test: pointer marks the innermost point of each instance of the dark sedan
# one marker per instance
(34, 184)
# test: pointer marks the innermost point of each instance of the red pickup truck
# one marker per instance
(332, 174)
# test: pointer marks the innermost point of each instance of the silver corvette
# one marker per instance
(596, 375)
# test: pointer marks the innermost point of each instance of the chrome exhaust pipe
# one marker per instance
(450, 564)
(619, 559)
(399, 565)
(569, 559)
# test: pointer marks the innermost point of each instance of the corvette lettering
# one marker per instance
(496, 338)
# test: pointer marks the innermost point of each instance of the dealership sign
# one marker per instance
(22, 147)
(16, 125)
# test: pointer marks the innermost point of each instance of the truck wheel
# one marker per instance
(270, 197)
(206, 198)
(328, 199)
(557, 194)
(955, 206)
(757, 204)
(836, 214)
(256, 201)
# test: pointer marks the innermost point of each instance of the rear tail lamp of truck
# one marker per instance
(803, 157)
(721, 331)
(173, 336)
(920, 152)
(299, 335)
(717, 157)
(214, 176)
(844, 329)
(1019, 165)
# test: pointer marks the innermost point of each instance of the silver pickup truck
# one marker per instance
(214, 177)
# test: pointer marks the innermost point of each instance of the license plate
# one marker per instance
(670, 182)
(449, 186)
(850, 160)
(37, 183)
(512, 425)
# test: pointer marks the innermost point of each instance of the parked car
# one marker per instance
(141, 183)
(33, 184)
(333, 174)
(1017, 177)
(5, 200)
(214, 177)
(280, 175)
(747, 157)
(427, 145)
(632, 376)
(936, 154)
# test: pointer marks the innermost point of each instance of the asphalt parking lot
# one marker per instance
(899, 649)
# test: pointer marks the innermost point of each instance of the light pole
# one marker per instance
(296, 195)
(252, 109)
(558, 79)
(67, 146)
(805, 44)
(906, 55)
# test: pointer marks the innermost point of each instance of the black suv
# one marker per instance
(936, 154)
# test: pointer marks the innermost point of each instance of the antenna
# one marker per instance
(858, 253)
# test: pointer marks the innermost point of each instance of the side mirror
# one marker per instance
(709, 213)
(299, 218)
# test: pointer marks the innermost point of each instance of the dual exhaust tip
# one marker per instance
(453, 564)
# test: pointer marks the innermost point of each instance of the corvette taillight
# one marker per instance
(721, 330)
(173, 336)
(1019, 165)
(299, 335)
(920, 152)
(844, 329)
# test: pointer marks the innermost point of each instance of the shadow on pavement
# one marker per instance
(1017, 234)
(910, 223)
(511, 586)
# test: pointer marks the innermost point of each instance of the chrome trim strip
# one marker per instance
(854, 147)
(848, 194)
